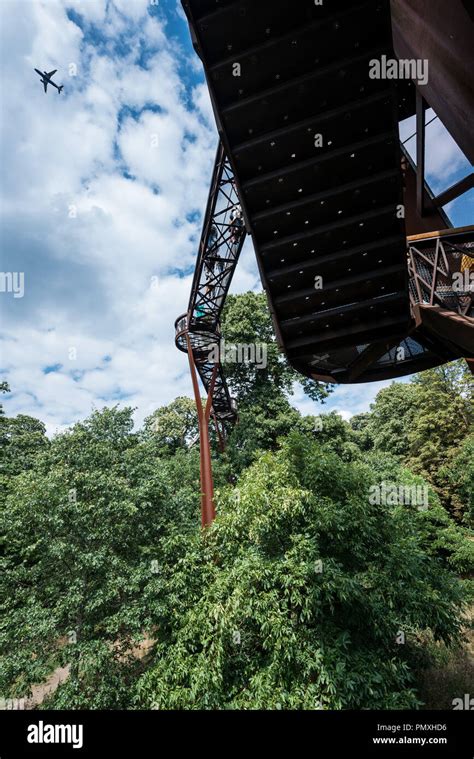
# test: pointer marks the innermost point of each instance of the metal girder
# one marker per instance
(433, 262)
(197, 332)
(352, 308)
(332, 211)
(420, 152)
(221, 242)
(338, 257)
(322, 118)
(326, 194)
(453, 192)
(304, 79)
(343, 152)
(441, 32)
(355, 279)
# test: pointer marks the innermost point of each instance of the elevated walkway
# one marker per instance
(313, 142)
(220, 246)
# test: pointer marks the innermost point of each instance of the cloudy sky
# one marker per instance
(103, 189)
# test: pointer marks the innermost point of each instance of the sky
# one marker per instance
(102, 194)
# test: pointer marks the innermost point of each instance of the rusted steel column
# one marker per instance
(208, 511)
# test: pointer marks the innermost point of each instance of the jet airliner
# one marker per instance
(46, 79)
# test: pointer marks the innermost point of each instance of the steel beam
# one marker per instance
(453, 192)
(420, 152)
(208, 511)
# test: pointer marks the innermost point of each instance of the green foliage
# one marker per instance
(81, 533)
(4, 388)
(392, 418)
(21, 439)
(360, 425)
(425, 423)
(444, 415)
(441, 536)
(259, 429)
(174, 426)
(246, 321)
(334, 433)
(296, 595)
(457, 478)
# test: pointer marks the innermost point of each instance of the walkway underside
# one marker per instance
(313, 143)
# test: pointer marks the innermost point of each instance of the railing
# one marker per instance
(220, 247)
(441, 269)
(205, 349)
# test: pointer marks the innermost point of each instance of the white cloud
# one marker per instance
(102, 222)
(92, 10)
(443, 157)
(135, 9)
(98, 248)
(346, 400)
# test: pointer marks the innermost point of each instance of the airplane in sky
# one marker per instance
(46, 79)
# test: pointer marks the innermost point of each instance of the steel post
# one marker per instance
(208, 511)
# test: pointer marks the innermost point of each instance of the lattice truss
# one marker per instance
(439, 275)
(221, 243)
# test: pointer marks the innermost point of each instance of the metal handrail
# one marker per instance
(434, 260)
(222, 239)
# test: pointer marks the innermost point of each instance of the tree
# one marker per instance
(443, 417)
(81, 531)
(424, 423)
(391, 419)
(440, 535)
(22, 438)
(246, 321)
(262, 392)
(300, 595)
(335, 434)
(4, 388)
(457, 478)
(297, 594)
(360, 424)
(174, 426)
(259, 428)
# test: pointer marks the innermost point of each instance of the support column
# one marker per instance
(208, 511)
(420, 152)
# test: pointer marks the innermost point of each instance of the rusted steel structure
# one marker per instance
(441, 268)
(198, 330)
(442, 33)
(356, 255)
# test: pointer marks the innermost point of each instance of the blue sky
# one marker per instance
(103, 189)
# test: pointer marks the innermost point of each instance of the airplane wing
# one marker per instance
(45, 85)
(50, 73)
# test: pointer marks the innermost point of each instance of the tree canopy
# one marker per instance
(308, 591)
